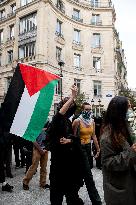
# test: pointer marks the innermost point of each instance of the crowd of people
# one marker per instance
(70, 144)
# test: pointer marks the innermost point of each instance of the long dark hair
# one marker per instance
(115, 119)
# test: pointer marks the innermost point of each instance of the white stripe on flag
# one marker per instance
(24, 113)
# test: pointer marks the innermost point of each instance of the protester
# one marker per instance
(8, 156)
(118, 155)
(18, 144)
(3, 145)
(84, 126)
(40, 154)
(65, 175)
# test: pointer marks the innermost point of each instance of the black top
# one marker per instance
(65, 159)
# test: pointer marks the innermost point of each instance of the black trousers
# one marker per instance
(8, 158)
(18, 151)
(2, 174)
(88, 177)
(56, 196)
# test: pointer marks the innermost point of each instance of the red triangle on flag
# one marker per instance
(35, 79)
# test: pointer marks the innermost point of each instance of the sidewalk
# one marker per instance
(37, 196)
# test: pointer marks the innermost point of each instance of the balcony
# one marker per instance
(60, 38)
(28, 36)
(29, 58)
(61, 7)
(100, 4)
(78, 68)
(77, 45)
(96, 23)
(77, 19)
(57, 33)
(2, 18)
(11, 14)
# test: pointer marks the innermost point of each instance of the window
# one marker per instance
(76, 14)
(94, 3)
(96, 40)
(13, 8)
(27, 23)
(2, 14)
(95, 19)
(97, 63)
(58, 53)
(97, 88)
(77, 60)
(58, 88)
(1, 36)
(11, 32)
(27, 50)
(25, 2)
(77, 82)
(60, 6)
(10, 56)
(59, 27)
(0, 58)
(76, 36)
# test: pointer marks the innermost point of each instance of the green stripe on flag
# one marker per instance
(41, 112)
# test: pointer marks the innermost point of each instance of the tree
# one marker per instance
(129, 94)
(79, 101)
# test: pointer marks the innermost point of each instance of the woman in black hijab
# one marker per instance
(65, 169)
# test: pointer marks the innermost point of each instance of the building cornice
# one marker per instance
(86, 5)
(74, 21)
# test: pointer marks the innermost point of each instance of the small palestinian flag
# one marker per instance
(28, 101)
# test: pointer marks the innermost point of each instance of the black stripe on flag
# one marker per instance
(12, 99)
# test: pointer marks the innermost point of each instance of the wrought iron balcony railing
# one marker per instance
(77, 18)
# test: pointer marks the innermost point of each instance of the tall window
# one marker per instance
(1, 36)
(94, 3)
(60, 5)
(77, 82)
(97, 88)
(58, 88)
(13, 8)
(28, 23)
(96, 40)
(2, 14)
(77, 59)
(11, 32)
(27, 50)
(95, 19)
(10, 56)
(76, 36)
(24, 2)
(59, 27)
(97, 63)
(58, 53)
(76, 13)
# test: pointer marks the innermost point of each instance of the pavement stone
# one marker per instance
(38, 196)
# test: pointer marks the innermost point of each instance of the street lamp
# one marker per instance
(99, 101)
(61, 64)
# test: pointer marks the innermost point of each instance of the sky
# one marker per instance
(126, 26)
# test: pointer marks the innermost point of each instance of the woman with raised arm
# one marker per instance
(65, 174)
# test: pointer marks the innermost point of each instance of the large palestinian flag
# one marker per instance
(28, 101)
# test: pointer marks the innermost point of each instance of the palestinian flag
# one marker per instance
(28, 101)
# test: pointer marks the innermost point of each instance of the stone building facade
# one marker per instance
(80, 33)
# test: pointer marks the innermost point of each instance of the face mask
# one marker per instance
(86, 114)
